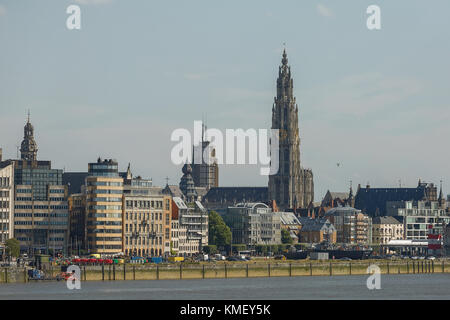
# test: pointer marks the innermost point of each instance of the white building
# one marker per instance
(253, 224)
(189, 227)
(418, 216)
(6, 202)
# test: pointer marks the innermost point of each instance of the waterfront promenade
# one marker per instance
(238, 270)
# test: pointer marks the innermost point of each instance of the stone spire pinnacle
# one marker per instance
(284, 61)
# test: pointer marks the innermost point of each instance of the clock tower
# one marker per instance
(28, 148)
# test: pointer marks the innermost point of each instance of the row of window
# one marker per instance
(105, 199)
(104, 184)
(146, 216)
(91, 230)
(106, 191)
(97, 207)
(105, 215)
(143, 241)
(143, 228)
(4, 182)
(4, 194)
(40, 223)
(26, 231)
(40, 207)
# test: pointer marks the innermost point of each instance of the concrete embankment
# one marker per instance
(236, 270)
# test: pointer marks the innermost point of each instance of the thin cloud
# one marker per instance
(196, 76)
(2, 10)
(93, 2)
(324, 11)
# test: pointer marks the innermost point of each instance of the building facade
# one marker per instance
(292, 186)
(6, 202)
(352, 226)
(418, 216)
(190, 227)
(385, 229)
(253, 224)
(104, 192)
(40, 212)
(147, 219)
(77, 222)
(317, 231)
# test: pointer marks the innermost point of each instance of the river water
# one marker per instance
(412, 286)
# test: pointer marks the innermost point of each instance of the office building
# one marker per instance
(147, 218)
(104, 191)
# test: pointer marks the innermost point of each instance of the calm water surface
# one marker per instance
(337, 287)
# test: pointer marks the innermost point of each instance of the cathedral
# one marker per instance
(292, 187)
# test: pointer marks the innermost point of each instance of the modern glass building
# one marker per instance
(40, 201)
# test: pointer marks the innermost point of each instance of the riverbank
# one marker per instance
(237, 270)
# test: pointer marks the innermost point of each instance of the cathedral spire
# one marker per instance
(284, 61)
(292, 186)
(441, 199)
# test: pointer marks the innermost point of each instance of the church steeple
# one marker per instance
(441, 199)
(28, 147)
(288, 186)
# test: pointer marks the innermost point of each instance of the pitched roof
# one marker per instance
(288, 218)
(316, 224)
(385, 220)
(173, 190)
(236, 194)
(373, 200)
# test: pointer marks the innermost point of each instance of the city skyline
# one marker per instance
(382, 118)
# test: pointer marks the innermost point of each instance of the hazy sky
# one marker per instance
(377, 102)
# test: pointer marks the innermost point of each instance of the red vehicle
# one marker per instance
(100, 261)
(108, 261)
(76, 260)
(92, 260)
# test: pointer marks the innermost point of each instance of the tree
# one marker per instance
(219, 232)
(12, 247)
(286, 237)
(210, 249)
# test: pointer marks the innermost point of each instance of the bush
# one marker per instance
(210, 249)
(239, 247)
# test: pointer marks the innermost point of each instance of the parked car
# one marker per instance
(431, 258)
(232, 259)
(346, 259)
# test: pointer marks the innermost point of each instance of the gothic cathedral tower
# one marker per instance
(292, 186)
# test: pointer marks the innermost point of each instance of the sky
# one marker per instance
(376, 102)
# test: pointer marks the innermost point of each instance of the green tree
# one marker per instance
(285, 237)
(219, 232)
(210, 249)
(12, 247)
